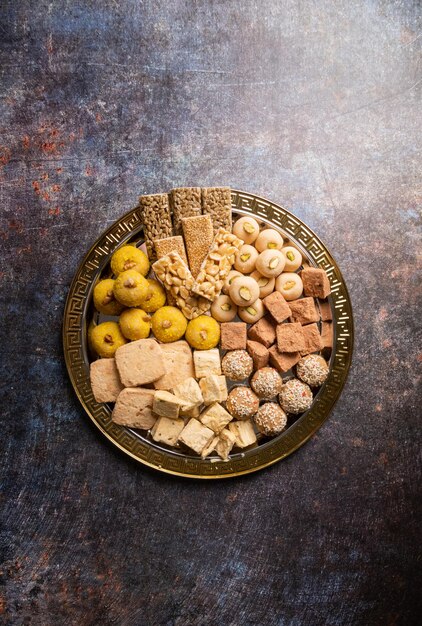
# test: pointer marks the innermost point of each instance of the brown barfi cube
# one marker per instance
(327, 334)
(277, 306)
(133, 408)
(313, 341)
(325, 310)
(315, 282)
(140, 362)
(105, 380)
(304, 311)
(259, 354)
(233, 336)
(263, 331)
(283, 361)
(290, 337)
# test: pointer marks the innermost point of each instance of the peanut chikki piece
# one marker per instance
(217, 264)
(133, 408)
(155, 212)
(283, 361)
(304, 311)
(198, 235)
(313, 341)
(315, 282)
(170, 244)
(173, 272)
(186, 202)
(217, 202)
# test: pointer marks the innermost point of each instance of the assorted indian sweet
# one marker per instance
(220, 334)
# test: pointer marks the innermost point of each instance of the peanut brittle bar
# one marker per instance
(155, 213)
(217, 202)
(186, 202)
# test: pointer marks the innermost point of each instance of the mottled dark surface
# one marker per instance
(314, 104)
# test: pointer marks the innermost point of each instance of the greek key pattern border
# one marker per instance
(74, 338)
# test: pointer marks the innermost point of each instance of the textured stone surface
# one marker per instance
(315, 105)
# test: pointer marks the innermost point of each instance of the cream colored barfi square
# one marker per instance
(207, 362)
(166, 404)
(225, 443)
(189, 394)
(243, 432)
(178, 362)
(196, 436)
(167, 430)
(210, 447)
(133, 408)
(214, 389)
(195, 412)
(215, 417)
(140, 362)
(105, 380)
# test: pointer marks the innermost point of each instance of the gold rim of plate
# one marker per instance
(129, 441)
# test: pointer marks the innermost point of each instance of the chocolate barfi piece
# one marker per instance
(325, 309)
(233, 336)
(304, 311)
(327, 334)
(263, 331)
(283, 361)
(277, 306)
(315, 282)
(259, 354)
(313, 341)
(290, 337)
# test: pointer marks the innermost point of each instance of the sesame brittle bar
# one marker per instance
(155, 213)
(176, 277)
(217, 264)
(186, 202)
(198, 234)
(217, 202)
(170, 244)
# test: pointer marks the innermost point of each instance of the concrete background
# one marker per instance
(314, 104)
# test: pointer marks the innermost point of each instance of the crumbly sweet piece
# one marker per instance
(166, 404)
(167, 430)
(195, 412)
(215, 417)
(270, 419)
(259, 354)
(244, 433)
(189, 393)
(186, 202)
(237, 365)
(217, 202)
(196, 436)
(133, 408)
(155, 212)
(170, 244)
(295, 397)
(242, 403)
(105, 380)
(198, 235)
(325, 309)
(210, 447)
(283, 361)
(176, 277)
(233, 336)
(140, 362)
(315, 282)
(207, 362)
(178, 362)
(327, 335)
(304, 311)
(277, 306)
(266, 383)
(226, 441)
(263, 331)
(213, 388)
(313, 370)
(216, 265)
(290, 337)
(313, 340)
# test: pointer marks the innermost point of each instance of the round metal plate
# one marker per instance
(143, 449)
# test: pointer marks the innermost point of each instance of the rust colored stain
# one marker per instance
(4, 155)
(56, 188)
(59, 170)
(45, 196)
(88, 170)
(49, 147)
(36, 187)
(44, 176)
(55, 211)
(383, 459)
(26, 142)
(2, 605)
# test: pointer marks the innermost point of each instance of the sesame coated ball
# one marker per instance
(270, 419)
(312, 370)
(295, 396)
(266, 383)
(237, 365)
(242, 403)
